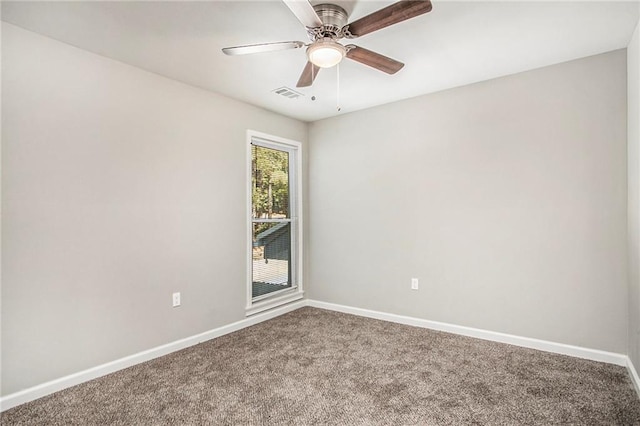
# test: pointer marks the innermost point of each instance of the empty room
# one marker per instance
(347, 212)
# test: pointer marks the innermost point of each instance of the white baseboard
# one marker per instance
(526, 342)
(47, 388)
(634, 375)
(61, 383)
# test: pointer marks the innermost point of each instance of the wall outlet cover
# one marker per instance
(414, 283)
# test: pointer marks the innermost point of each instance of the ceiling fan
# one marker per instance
(326, 24)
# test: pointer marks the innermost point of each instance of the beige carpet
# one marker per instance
(318, 367)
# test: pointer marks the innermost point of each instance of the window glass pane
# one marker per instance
(269, 183)
(271, 269)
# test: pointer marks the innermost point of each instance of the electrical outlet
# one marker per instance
(176, 299)
(414, 283)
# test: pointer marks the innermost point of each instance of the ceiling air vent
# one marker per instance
(287, 93)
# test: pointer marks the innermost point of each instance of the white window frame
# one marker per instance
(296, 292)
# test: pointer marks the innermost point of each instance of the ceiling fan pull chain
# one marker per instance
(313, 78)
(338, 87)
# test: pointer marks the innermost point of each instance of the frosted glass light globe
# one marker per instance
(326, 54)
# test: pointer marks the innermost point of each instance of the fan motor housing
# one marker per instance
(333, 18)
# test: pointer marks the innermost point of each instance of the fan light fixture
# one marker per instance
(326, 24)
(326, 53)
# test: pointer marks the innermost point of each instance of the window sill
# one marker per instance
(267, 304)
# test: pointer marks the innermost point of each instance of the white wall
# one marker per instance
(633, 126)
(507, 199)
(119, 187)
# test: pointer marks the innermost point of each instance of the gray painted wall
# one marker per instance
(506, 198)
(119, 187)
(633, 125)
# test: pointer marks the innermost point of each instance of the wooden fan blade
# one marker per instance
(304, 12)
(392, 14)
(308, 75)
(262, 47)
(373, 59)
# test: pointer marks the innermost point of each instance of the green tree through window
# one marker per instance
(270, 183)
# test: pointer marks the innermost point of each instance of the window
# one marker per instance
(274, 237)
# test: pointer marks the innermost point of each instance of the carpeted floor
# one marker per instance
(313, 366)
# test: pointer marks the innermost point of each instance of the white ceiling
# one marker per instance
(457, 43)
